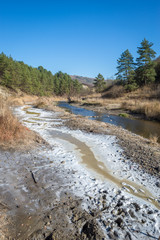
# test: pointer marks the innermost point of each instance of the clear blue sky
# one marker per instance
(82, 37)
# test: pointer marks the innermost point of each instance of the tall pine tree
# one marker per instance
(126, 73)
(145, 72)
(99, 83)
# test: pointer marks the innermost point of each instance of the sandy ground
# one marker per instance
(55, 192)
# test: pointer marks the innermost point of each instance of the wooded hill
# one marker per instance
(83, 80)
(37, 81)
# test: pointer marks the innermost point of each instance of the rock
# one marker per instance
(128, 236)
(158, 184)
(91, 231)
(137, 207)
(116, 234)
(157, 169)
(105, 191)
(104, 197)
(131, 213)
(119, 221)
(150, 212)
(143, 221)
(120, 203)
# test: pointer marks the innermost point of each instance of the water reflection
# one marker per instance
(140, 127)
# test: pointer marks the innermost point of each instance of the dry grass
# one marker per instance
(10, 127)
(150, 109)
(153, 138)
(12, 133)
(146, 92)
(21, 100)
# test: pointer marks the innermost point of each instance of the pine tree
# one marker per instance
(145, 72)
(99, 83)
(126, 70)
(157, 69)
(37, 81)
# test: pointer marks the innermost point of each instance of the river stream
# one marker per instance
(141, 127)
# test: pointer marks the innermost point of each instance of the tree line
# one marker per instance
(133, 74)
(37, 81)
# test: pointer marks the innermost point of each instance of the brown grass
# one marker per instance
(153, 138)
(12, 133)
(150, 109)
(10, 127)
(146, 92)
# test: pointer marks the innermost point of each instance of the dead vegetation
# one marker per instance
(10, 128)
(115, 91)
(154, 138)
(150, 109)
(12, 133)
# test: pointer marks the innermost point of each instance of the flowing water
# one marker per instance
(140, 127)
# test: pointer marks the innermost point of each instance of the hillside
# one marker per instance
(89, 81)
(85, 80)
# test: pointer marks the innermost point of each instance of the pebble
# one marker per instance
(158, 184)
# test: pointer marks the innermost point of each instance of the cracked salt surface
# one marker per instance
(124, 212)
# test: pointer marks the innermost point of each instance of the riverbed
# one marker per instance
(123, 199)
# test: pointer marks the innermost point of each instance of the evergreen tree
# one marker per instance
(99, 83)
(36, 81)
(145, 72)
(157, 69)
(126, 70)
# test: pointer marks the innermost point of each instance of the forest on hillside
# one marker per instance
(37, 81)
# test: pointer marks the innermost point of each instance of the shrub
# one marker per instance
(114, 92)
(125, 115)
